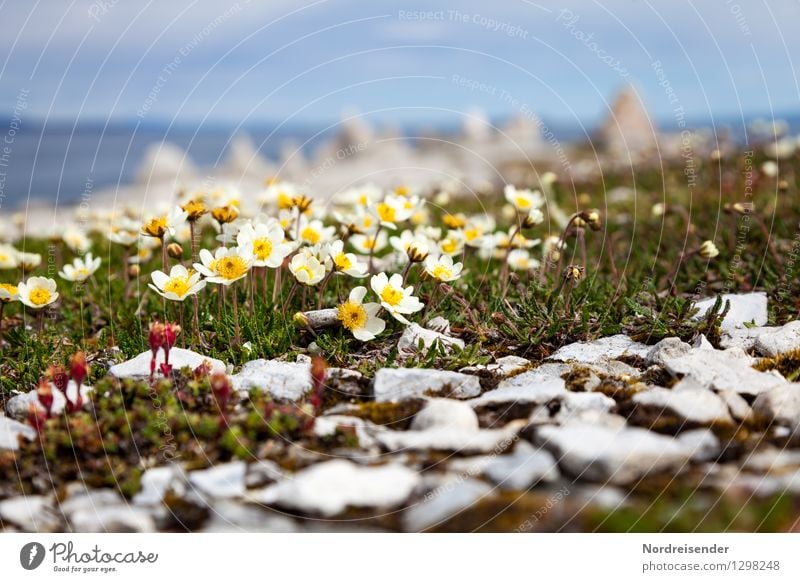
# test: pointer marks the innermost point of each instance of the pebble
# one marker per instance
(17, 406)
(409, 342)
(745, 308)
(603, 454)
(697, 405)
(780, 405)
(11, 430)
(282, 380)
(331, 487)
(155, 483)
(220, 481)
(397, 384)
(445, 413)
(607, 348)
(30, 512)
(139, 367)
(774, 341)
(451, 495)
(723, 370)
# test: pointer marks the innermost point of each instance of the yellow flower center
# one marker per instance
(523, 202)
(442, 272)
(367, 222)
(472, 233)
(262, 248)
(386, 212)
(156, 227)
(449, 245)
(82, 272)
(284, 200)
(392, 295)
(454, 221)
(40, 296)
(177, 285)
(306, 270)
(342, 262)
(310, 235)
(9, 290)
(352, 315)
(231, 268)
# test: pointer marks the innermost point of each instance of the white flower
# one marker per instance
(37, 292)
(314, 232)
(178, 285)
(267, 242)
(8, 292)
(80, 269)
(123, 233)
(442, 268)
(358, 220)
(708, 250)
(366, 244)
(523, 200)
(394, 298)
(360, 196)
(393, 209)
(29, 261)
(360, 318)
(453, 243)
(226, 265)
(76, 240)
(9, 258)
(307, 269)
(521, 260)
(160, 226)
(346, 263)
(769, 169)
(279, 194)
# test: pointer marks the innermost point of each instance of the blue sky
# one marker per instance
(310, 62)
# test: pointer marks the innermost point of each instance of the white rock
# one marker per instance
(396, 384)
(702, 444)
(771, 459)
(17, 406)
(452, 495)
(445, 413)
(328, 425)
(522, 469)
(139, 367)
(744, 338)
(283, 380)
(502, 367)
(774, 341)
(29, 512)
(329, 488)
(528, 387)
(112, 519)
(737, 406)
(81, 499)
(607, 348)
(440, 324)
(11, 430)
(604, 454)
(234, 517)
(701, 343)
(220, 481)
(409, 342)
(723, 370)
(745, 308)
(667, 349)
(263, 471)
(780, 405)
(157, 481)
(464, 441)
(693, 405)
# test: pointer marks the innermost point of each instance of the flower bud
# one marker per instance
(133, 271)
(225, 214)
(78, 368)
(574, 273)
(175, 250)
(45, 394)
(708, 250)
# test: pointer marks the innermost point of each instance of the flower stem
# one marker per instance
(238, 338)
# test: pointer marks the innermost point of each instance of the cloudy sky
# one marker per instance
(399, 62)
